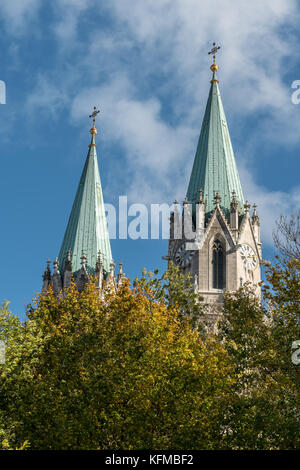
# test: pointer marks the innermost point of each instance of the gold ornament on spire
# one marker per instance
(93, 130)
(214, 67)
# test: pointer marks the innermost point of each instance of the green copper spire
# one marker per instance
(87, 230)
(214, 170)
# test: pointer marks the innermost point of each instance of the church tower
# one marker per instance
(214, 237)
(85, 249)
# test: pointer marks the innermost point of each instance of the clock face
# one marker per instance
(183, 257)
(248, 257)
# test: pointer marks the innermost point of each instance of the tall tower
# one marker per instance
(226, 249)
(85, 249)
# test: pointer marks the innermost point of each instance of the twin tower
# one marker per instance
(227, 252)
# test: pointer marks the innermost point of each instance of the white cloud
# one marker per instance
(157, 125)
(271, 204)
(17, 14)
(154, 150)
(249, 32)
(68, 14)
(46, 96)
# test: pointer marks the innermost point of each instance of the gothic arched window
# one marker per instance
(218, 262)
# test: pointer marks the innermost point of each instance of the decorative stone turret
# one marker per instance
(82, 277)
(177, 226)
(247, 207)
(68, 270)
(99, 271)
(234, 215)
(46, 277)
(217, 199)
(56, 280)
(200, 218)
(120, 276)
(111, 279)
(255, 218)
(256, 227)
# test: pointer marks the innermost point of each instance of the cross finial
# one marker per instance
(94, 115)
(214, 50)
(214, 67)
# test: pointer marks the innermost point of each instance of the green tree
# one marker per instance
(10, 334)
(176, 290)
(121, 371)
(265, 404)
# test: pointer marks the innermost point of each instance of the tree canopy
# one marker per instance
(133, 369)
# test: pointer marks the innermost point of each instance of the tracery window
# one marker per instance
(218, 261)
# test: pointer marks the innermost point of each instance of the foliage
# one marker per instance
(10, 332)
(176, 290)
(132, 369)
(265, 405)
(121, 372)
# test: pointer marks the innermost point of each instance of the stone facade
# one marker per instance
(59, 282)
(236, 237)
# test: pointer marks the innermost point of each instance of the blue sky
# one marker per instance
(145, 65)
